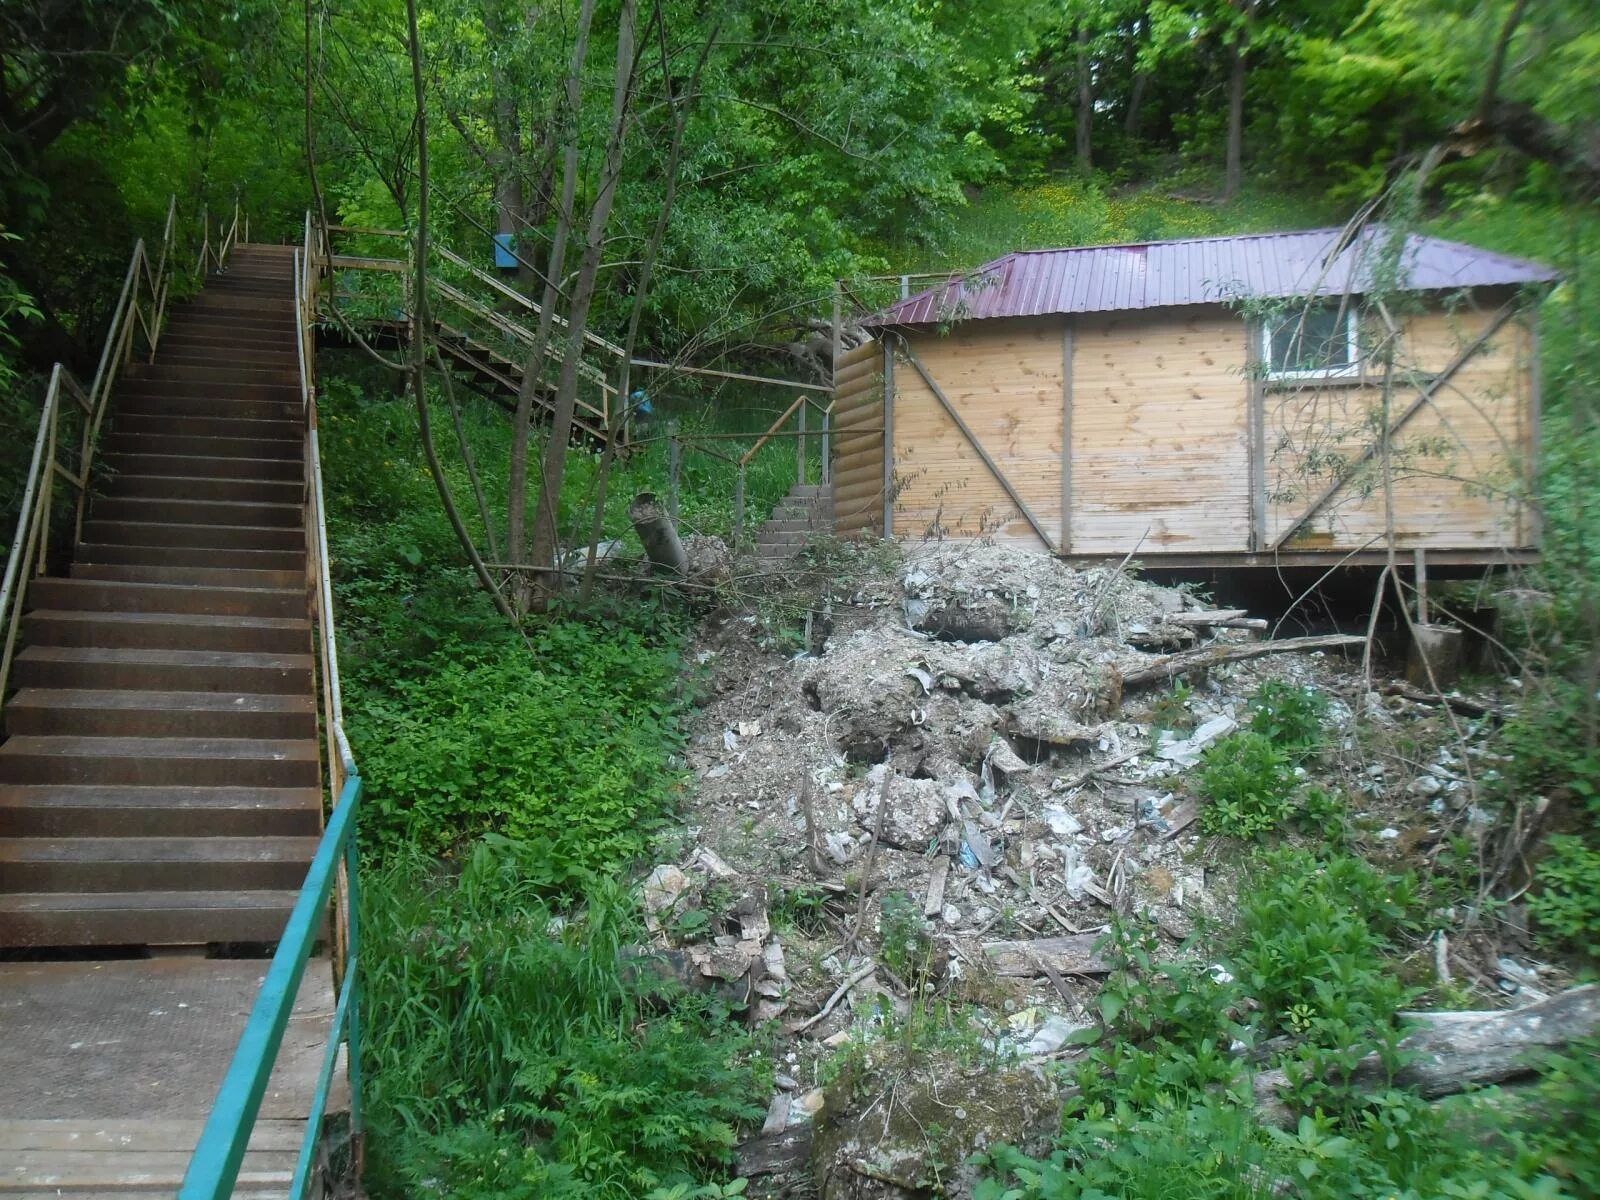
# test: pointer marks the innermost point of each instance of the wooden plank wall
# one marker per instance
(1006, 379)
(1160, 438)
(1459, 463)
(858, 474)
(1158, 408)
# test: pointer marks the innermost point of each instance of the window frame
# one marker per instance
(1350, 370)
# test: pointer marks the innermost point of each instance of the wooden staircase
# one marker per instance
(160, 782)
(806, 512)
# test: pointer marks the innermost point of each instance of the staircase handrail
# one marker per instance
(141, 309)
(803, 403)
(333, 874)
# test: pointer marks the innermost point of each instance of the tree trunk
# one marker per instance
(1085, 101)
(555, 451)
(1233, 171)
(533, 366)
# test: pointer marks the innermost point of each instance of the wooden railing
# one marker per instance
(480, 321)
(797, 412)
(71, 416)
(333, 875)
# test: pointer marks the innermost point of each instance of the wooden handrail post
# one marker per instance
(827, 466)
(674, 470)
(800, 451)
(738, 507)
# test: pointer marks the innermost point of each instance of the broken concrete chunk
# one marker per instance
(1186, 752)
(916, 808)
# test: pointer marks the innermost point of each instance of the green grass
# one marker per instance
(512, 1051)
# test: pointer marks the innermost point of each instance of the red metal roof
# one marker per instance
(1088, 279)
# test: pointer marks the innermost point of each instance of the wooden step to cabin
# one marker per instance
(211, 374)
(190, 556)
(112, 595)
(225, 339)
(130, 864)
(172, 918)
(75, 810)
(200, 487)
(220, 537)
(50, 712)
(168, 631)
(107, 667)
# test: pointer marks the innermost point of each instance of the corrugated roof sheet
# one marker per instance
(1088, 279)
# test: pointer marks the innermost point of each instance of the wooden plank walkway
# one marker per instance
(109, 1069)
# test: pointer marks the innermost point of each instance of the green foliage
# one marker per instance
(1165, 1108)
(1247, 783)
(1566, 903)
(568, 743)
(1290, 716)
(509, 1051)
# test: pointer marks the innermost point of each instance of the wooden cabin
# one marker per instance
(1277, 398)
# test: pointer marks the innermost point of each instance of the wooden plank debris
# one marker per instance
(1073, 955)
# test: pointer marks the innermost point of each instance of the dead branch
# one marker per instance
(1170, 667)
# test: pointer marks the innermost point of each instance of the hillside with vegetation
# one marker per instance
(583, 785)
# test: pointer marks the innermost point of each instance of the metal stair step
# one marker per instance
(144, 918)
(190, 466)
(76, 810)
(168, 631)
(168, 670)
(161, 864)
(190, 556)
(48, 712)
(201, 487)
(256, 762)
(216, 537)
(113, 595)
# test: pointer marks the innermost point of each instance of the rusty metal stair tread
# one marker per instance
(123, 810)
(188, 658)
(169, 618)
(273, 899)
(235, 749)
(157, 849)
(106, 698)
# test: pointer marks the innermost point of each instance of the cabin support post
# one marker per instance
(888, 437)
(1256, 399)
(1419, 558)
(1067, 349)
(972, 440)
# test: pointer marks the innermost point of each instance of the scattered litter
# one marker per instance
(1186, 752)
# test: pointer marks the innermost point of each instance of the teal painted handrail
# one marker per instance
(214, 1168)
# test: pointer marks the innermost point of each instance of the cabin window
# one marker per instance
(1320, 342)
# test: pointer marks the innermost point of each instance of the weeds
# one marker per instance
(509, 1053)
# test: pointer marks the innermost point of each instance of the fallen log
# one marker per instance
(1165, 669)
(1449, 1052)
(1458, 704)
(1062, 955)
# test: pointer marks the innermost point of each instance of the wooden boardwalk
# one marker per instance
(109, 1069)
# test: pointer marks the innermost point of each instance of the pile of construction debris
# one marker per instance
(975, 767)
